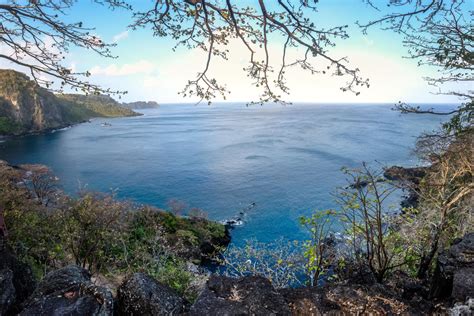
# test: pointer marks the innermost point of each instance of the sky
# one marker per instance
(148, 68)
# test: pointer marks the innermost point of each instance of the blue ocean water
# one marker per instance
(221, 158)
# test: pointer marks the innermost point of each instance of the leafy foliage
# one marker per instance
(100, 233)
(8, 126)
(316, 249)
(96, 105)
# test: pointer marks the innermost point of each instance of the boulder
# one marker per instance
(397, 173)
(69, 291)
(251, 295)
(7, 291)
(19, 275)
(411, 177)
(454, 274)
(143, 295)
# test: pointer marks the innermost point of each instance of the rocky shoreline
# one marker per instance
(409, 179)
(71, 291)
(74, 290)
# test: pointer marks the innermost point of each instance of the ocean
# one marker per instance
(224, 157)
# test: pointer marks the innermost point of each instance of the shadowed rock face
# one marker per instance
(143, 295)
(245, 296)
(396, 173)
(14, 272)
(454, 275)
(7, 291)
(69, 291)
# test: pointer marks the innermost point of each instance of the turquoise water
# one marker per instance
(286, 159)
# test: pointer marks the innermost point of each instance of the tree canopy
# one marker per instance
(436, 32)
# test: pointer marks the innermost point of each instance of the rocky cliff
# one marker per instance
(26, 107)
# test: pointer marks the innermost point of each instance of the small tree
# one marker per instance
(374, 239)
(317, 250)
(92, 227)
(445, 194)
(176, 206)
(42, 183)
(197, 213)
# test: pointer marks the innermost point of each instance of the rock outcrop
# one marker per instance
(25, 107)
(7, 291)
(14, 273)
(69, 291)
(143, 295)
(397, 173)
(454, 274)
(251, 295)
(411, 177)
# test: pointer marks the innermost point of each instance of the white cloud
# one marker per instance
(139, 67)
(120, 36)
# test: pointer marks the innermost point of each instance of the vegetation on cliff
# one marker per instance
(99, 105)
(48, 230)
(26, 107)
(137, 105)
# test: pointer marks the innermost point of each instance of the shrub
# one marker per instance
(93, 226)
(373, 234)
(280, 262)
(316, 249)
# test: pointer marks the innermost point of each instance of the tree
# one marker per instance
(35, 36)
(368, 220)
(42, 183)
(446, 197)
(38, 39)
(437, 33)
(93, 224)
(210, 25)
(317, 247)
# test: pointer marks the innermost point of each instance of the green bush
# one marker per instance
(8, 126)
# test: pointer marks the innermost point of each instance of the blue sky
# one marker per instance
(148, 69)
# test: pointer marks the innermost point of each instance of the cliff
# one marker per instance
(25, 107)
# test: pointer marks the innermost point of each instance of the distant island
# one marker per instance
(139, 105)
(26, 108)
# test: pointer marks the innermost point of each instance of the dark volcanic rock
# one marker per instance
(454, 274)
(143, 295)
(250, 295)
(69, 291)
(20, 275)
(411, 177)
(308, 301)
(7, 291)
(210, 249)
(397, 173)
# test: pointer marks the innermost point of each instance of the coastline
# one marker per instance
(4, 137)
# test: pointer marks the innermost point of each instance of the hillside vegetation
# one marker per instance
(138, 105)
(26, 107)
(100, 105)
